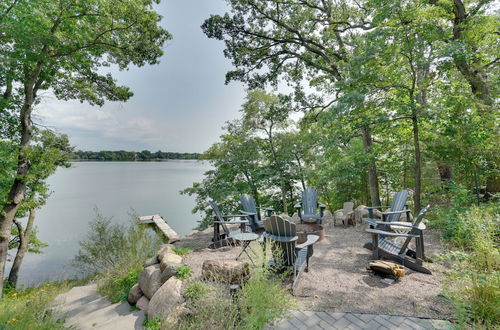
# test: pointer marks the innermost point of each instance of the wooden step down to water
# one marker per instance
(162, 225)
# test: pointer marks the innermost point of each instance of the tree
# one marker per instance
(62, 46)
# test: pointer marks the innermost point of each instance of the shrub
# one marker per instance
(117, 287)
(181, 250)
(195, 290)
(183, 272)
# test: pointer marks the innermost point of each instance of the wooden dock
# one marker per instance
(162, 225)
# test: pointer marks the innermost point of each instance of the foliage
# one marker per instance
(195, 291)
(28, 308)
(183, 272)
(118, 289)
(154, 324)
(123, 155)
(181, 251)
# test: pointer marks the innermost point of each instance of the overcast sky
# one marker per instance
(179, 105)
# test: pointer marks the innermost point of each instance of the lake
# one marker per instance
(114, 188)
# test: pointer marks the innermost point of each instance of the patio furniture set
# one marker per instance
(390, 238)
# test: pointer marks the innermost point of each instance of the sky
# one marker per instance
(179, 105)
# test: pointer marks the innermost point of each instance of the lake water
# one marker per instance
(115, 188)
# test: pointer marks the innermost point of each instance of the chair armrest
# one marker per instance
(395, 212)
(280, 238)
(372, 222)
(234, 215)
(321, 205)
(232, 222)
(396, 223)
(389, 233)
(298, 206)
(311, 239)
(376, 207)
(248, 213)
(265, 208)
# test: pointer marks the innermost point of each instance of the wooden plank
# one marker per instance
(166, 229)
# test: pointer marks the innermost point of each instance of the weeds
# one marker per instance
(181, 250)
(195, 291)
(183, 272)
(117, 287)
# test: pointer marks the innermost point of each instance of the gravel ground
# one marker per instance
(338, 279)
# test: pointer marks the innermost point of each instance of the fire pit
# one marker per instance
(304, 229)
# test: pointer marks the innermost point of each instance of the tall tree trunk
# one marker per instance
(418, 164)
(18, 187)
(372, 169)
(24, 237)
(472, 72)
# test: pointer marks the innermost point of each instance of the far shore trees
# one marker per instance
(62, 46)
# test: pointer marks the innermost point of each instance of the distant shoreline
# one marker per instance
(122, 155)
(133, 161)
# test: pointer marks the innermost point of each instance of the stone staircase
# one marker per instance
(83, 308)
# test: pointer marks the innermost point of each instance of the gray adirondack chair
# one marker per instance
(253, 214)
(282, 235)
(308, 208)
(225, 236)
(402, 254)
(397, 207)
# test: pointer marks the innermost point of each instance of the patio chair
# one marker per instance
(402, 254)
(308, 208)
(345, 214)
(397, 208)
(253, 214)
(225, 236)
(286, 252)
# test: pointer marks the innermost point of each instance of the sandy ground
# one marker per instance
(338, 279)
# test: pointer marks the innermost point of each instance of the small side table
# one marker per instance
(246, 239)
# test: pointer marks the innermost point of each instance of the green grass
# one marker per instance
(195, 291)
(183, 272)
(181, 251)
(117, 287)
(27, 309)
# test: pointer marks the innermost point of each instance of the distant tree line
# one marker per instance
(122, 155)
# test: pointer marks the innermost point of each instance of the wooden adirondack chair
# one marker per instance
(385, 249)
(397, 208)
(224, 237)
(286, 253)
(346, 213)
(253, 214)
(308, 208)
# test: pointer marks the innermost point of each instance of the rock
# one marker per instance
(165, 249)
(168, 271)
(165, 299)
(134, 294)
(150, 280)
(170, 258)
(228, 271)
(143, 304)
(151, 261)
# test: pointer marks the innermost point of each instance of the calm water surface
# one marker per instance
(115, 188)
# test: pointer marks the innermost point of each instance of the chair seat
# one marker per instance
(314, 217)
(389, 246)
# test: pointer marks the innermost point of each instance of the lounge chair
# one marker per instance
(225, 236)
(253, 214)
(308, 208)
(286, 252)
(385, 249)
(345, 214)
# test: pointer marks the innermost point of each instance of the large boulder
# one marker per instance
(150, 280)
(143, 304)
(134, 294)
(227, 271)
(164, 250)
(168, 271)
(168, 259)
(152, 261)
(166, 299)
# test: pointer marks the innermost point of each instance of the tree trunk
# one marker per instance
(418, 165)
(472, 72)
(445, 173)
(372, 169)
(18, 188)
(24, 237)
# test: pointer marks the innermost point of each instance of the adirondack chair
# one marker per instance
(397, 208)
(253, 214)
(308, 208)
(282, 235)
(225, 236)
(386, 249)
(344, 214)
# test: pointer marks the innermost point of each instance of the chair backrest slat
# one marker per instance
(310, 201)
(218, 215)
(414, 230)
(248, 205)
(398, 204)
(278, 226)
(283, 252)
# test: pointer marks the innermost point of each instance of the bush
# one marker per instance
(117, 253)
(195, 291)
(474, 284)
(183, 272)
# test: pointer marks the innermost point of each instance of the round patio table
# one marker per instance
(245, 239)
